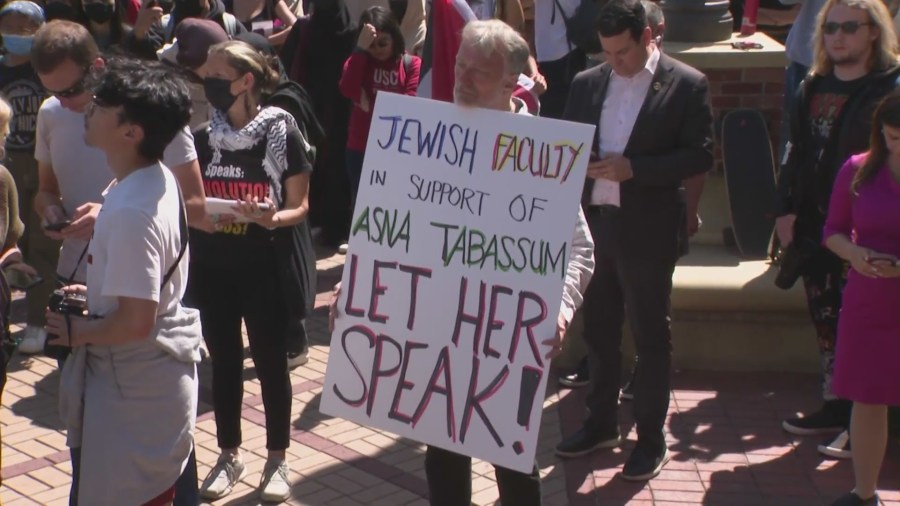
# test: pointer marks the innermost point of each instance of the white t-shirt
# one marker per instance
(136, 241)
(550, 42)
(82, 171)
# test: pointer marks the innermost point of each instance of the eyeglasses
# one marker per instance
(76, 89)
(848, 27)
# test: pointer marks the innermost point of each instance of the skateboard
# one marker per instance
(750, 181)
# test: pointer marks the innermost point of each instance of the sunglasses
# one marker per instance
(848, 27)
(76, 89)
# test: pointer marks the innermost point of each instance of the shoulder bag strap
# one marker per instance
(183, 235)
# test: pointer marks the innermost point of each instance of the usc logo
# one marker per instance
(387, 77)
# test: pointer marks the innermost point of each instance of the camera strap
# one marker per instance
(71, 279)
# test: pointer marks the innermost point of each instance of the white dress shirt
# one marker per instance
(621, 106)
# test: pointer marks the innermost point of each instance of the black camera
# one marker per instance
(67, 304)
(793, 262)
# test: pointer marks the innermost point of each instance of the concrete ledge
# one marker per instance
(714, 278)
(720, 55)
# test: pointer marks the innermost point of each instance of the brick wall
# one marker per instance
(755, 88)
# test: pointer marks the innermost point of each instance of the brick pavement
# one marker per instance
(727, 446)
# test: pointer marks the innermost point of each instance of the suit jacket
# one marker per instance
(671, 141)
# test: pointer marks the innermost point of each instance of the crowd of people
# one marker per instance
(121, 117)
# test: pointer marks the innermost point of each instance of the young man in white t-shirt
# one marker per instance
(131, 401)
(72, 174)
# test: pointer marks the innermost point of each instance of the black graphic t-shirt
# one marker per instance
(237, 174)
(23, 90)
(825, 107)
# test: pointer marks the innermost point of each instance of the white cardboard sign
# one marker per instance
(454, 277)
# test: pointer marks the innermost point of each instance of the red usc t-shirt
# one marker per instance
(364, 74)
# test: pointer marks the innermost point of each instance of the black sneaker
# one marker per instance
(644, 464)
(579, 378)
(837, 448)
(584, 442)
(832, 418)
(852, 499)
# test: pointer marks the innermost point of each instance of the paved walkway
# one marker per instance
(728, 448)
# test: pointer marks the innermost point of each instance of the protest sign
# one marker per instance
(454, 276)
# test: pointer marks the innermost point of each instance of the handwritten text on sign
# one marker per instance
(458, 252)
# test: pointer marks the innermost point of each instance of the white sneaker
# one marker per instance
(838, 448)
(274, 486)
(222, 478)
(342, 249)
(296, 359)
(34, 340)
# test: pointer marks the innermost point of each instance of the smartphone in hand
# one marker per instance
(882, 259)
(58, 226)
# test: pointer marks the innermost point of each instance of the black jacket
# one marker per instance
(671, 141)
(805, 182)
(291, 97)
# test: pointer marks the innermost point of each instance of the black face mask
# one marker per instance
(218, 93)
(99, 12)
(59, 10)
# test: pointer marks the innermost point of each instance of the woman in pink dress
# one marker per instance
(863, 227)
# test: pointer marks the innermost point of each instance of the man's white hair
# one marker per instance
(492, 36)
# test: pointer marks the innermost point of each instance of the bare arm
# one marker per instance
(191, 184)
(296, 202)
(132, 321)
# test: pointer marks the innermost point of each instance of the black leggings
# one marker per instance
(252, 293)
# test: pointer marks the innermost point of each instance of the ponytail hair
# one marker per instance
(246, 59)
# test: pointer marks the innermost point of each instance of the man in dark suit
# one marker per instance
(655, 131)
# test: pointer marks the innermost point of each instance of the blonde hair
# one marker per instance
(6, 115)
(245, 58)
(885, 51)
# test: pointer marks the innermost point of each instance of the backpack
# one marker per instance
(580, 28)
(294, 99)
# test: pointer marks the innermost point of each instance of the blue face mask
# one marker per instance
(18, 44)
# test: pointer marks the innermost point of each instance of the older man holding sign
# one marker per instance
(462, 242)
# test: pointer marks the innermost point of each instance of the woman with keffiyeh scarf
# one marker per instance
(252, 266)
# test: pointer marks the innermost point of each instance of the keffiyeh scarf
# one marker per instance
(269, 126)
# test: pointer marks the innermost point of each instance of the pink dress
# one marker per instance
(867, 361)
